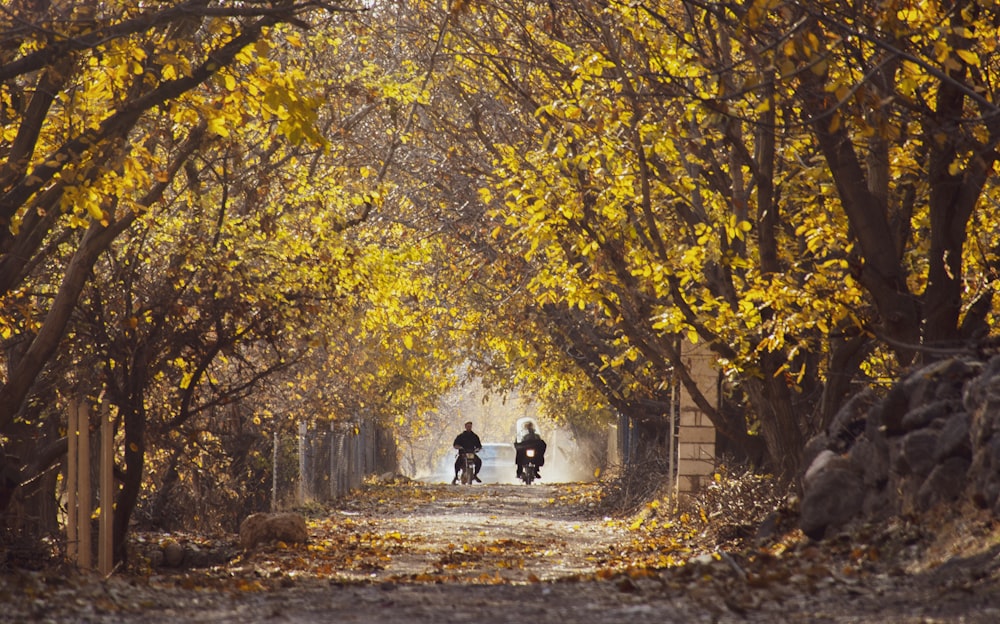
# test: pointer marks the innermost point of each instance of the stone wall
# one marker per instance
(933, 439)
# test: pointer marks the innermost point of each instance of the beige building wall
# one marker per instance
(696, 434)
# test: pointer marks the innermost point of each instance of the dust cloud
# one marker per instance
(429, 457)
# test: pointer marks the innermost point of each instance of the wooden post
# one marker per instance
(71, 468)
(105, 556)
(274, 473)
(302, 463)
(84, 500)
(332, 470)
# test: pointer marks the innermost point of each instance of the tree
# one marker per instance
(661, 178)
(102, 108)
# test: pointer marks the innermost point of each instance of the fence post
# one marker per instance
(366, 442)
(343, 462)
(333, 461)
(83, 478)
(359, 453)
(105, 556)
(72, 465)
(302, 463)
(373, 447)
(359, 456)
(274, 472)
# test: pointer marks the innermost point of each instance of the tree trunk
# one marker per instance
(845, 359)
(780, 424)
(135, 454)
(45, 343)
(879, 270)
(132, 409)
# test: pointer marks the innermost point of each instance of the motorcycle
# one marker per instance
(468, 467)
(529, 469)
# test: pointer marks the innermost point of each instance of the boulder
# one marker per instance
(954, 438)
(259, 528)
(917, 453)
(173, 554)
(933, 439)
(944, 484)
(982, 399)
(833, 495)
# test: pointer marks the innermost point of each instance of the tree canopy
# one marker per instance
(225, 217)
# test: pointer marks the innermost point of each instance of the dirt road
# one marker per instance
(500, 553)
(489, 533)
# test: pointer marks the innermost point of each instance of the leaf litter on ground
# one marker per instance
(705, 549)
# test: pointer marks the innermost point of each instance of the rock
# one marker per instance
(815, 446)
(952, 376)
(833, 495)
(917, 452)
(944, 484)
(982, 399)
(953, 440)
(392, 478)
(286, 527)
(817, 466)
(933, 439)
(926, 415)
(155, 558)
(985, 471)
(776, 523)
(874, 462)
(979, 390)
(850, 421)
(197, 557)
(888, 415)
(173, 554)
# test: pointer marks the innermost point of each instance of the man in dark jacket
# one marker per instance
(467, 442)
(531, 439)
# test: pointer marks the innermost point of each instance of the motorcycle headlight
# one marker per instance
(530, 452)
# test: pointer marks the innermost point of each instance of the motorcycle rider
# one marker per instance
(530, 439)
(467, 442)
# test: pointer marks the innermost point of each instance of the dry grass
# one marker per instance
(725, 515)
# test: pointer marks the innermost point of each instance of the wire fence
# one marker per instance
(325, 462)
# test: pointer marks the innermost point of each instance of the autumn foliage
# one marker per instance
(220, 219)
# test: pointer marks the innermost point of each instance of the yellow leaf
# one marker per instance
(408, 341)
(970, 57)
(819, 67)
(217, 125)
